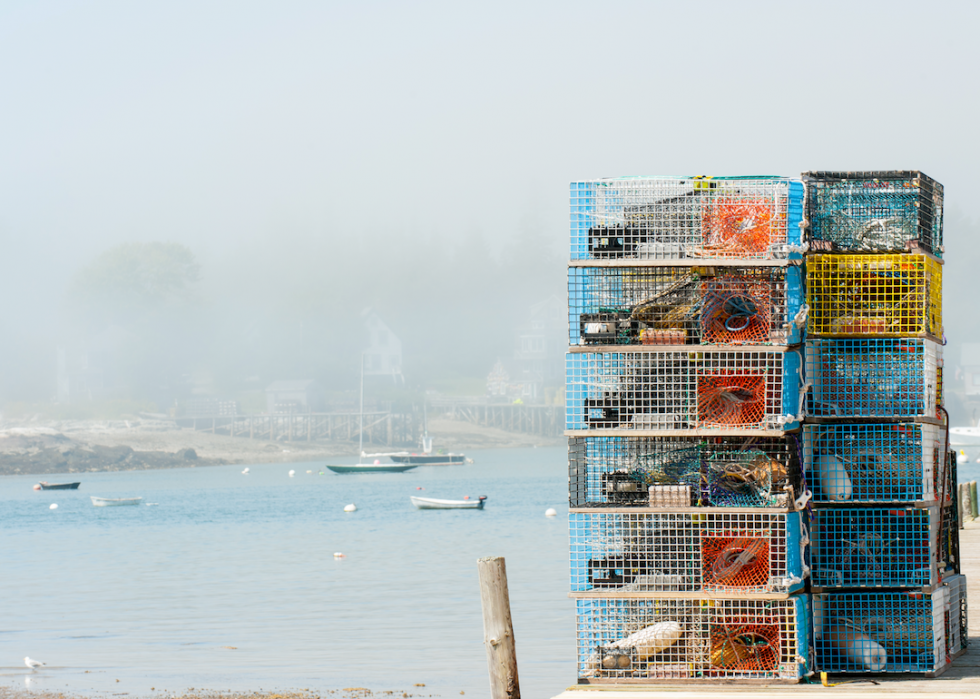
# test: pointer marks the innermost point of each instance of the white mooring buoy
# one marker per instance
(551, 512)
(351, 508)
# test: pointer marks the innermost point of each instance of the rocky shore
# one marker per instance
(79, 446)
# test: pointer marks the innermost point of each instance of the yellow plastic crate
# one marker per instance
(874, 295)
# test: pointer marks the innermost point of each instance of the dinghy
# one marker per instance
(435, 504)
(114, 502)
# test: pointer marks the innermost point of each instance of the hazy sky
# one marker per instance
(232, 127)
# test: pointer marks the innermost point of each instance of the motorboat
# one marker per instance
(426, 458)
(59, 486)
(964, 436)
(114, 502)
(436, 504)
(377, 467)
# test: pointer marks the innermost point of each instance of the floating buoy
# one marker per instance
(338, 554)
(53, 506)
(551, 512)
(466, 497)
(351, 508)
(37, 486)
(962, 458)
(420, 488)
(292, 473)
(309, 471)
(377, 462)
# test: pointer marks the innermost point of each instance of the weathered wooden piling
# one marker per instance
(498, 630)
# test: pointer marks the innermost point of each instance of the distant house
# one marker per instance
(301, 396)
(383, 356)
(86, 370)
(498, 381)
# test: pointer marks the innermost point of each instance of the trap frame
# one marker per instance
(877, 463)
(887, 211)
(650, 640)
(664, 218)
(711, 471)
(874, 296)
(706, 550)
(685, 305)
(660, 390)
(871, 632)
(886, 378)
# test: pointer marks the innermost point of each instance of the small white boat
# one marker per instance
(435, 504)
(114, 502)
(964, 436)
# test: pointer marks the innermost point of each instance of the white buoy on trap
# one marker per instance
(53, 506)
(351, 508)
(551, 512)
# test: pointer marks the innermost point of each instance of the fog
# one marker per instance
(318, 159)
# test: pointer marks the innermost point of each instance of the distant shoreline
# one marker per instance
(133, 445)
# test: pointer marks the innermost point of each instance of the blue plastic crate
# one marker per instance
(663, 218)
(887, 378)
(873, 632)
(707, 550)
(685, 305)
(875, 462)
(874, 211)
(675, 391)
(659, 639)
(718, 471)
(868, 547)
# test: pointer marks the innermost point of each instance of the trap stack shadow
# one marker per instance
(689, 536)
(886, 591)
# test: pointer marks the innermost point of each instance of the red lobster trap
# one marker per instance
(685, 305)
(642, 640)
(687, 471)
(660, 390)
(706, 550)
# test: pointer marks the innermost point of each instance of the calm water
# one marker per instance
(229, 581)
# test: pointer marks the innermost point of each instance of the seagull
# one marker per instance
(33, 664)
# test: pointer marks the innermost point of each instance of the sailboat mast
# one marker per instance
(360, 418)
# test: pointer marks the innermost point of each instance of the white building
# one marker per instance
(383, 356)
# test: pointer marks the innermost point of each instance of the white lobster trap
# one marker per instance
(884, 378)
(709, 305)
(698, 550)
(877, 463)
(645, 640)
(714, 471)
(663, 218)
(875, 632)
(669, 390)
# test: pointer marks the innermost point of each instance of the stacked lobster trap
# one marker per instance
(887, 596)
(689, 552)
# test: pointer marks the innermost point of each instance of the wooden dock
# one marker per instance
(962, 679)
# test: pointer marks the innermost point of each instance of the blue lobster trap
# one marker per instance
(877, 463)
(684, 471)
(675, 391)
(644, 640)
(902, 547)
(874, 632)
(706, 550)
(891, 211)
(664, 218)
(673, 305)
(886, 378)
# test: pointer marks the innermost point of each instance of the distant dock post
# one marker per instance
(498, 631)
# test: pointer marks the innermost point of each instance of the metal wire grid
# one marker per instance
(874, 295)
(870, 632)
(887, 378)
(874, 211)
(662, 390)
(682, 217)
(719, 471)
(710, 551)
(676, 639)
(877, 547)
(870, 463)
(684, 305)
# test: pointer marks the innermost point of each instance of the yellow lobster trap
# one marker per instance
(874, 295)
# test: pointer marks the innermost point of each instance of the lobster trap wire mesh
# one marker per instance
(686, 217)
(869, 632)
(718, 471)
(874, 211)
(664, 390)
(683, 305)
(675, 639)
(877, 547)
(707, 551)
(874, 295)
(887, 378)
(876, 462)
